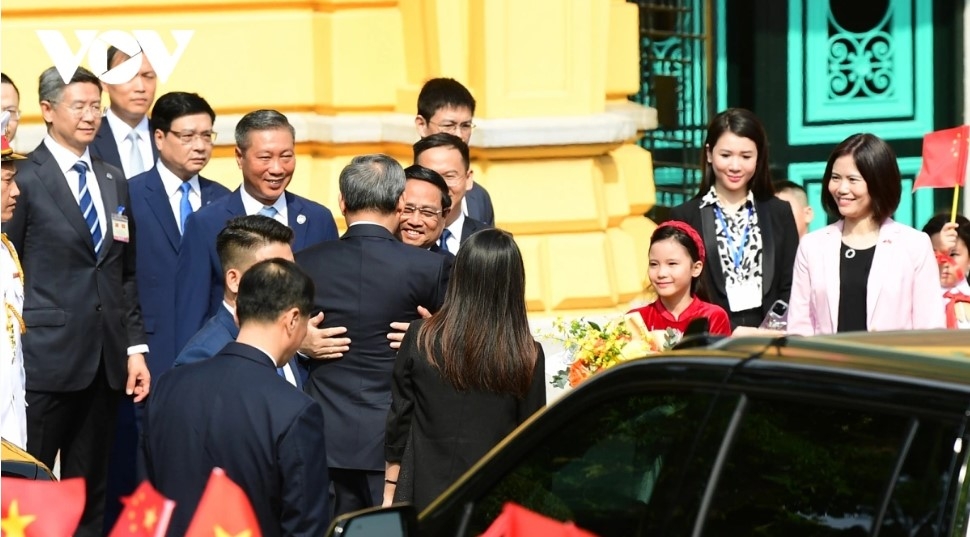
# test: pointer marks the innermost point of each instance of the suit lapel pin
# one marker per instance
(108, 175)
(301, 219)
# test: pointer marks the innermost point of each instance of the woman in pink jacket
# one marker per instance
(864, 272)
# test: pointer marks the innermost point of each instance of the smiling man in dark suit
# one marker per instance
(84, 341)
(234, 412)
(266, 154)
(365, 281)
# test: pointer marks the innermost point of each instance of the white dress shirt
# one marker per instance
(454, 241)
(66, 159)
(120, 130)
(252, 206)
(173, 188)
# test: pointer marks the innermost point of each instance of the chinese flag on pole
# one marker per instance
(223, 511)
(146, 514)
(944, 159)
(41, 508)
(517, 521)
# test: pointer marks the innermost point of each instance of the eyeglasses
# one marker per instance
(78, 109)
(187, 137)
(452, 128)
(423, 211)
(14, 113)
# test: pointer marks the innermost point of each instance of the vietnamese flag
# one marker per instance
(944, 159)
(224, 510)
(146, 514)
(517, 521)
(41, 508)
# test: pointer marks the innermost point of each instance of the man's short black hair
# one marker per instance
(442, 139)
(176, 104)
(4, 79)
(244, 234)
(272, 287)
(439, 93)
(420, 173)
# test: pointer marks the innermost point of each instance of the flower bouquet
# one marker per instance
(591, 347)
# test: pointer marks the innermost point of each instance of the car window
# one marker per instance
(618, 468)
(796, 468)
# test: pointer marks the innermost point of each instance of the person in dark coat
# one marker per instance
(236, 411)
(465, 378)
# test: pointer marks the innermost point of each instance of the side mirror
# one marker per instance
(395, 521)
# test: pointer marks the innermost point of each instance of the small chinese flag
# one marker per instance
(944, 159)
(224, 510)
(27, 507)
(517, 521)
(146, 514)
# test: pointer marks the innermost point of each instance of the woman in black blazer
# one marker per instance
(750, 235)
(466, 377)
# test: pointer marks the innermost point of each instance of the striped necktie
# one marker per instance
(87, 206)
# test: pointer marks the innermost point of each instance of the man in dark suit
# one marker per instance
(85, 342)
(427, 204)
(448, 155)
(162, 198)
(236, 413)
(245, 241)
(445, 105)
(266, 155)
(365, 281)
(124, 139)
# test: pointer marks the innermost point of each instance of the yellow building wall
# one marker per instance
(576, 209)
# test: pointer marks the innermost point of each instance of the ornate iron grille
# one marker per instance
(676, 74)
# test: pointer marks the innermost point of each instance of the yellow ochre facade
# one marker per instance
(555, 137)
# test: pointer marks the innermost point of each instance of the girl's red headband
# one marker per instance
(691, 232)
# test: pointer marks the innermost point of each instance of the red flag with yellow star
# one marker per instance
(28, 507)
(944, 159)
(146, 514)
(224, 510)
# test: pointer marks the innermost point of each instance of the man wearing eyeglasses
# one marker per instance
(124, 139)
(445, 105)
(448, 155)
(427, 205)
(10, 103)
(163, 198)
(85, 340)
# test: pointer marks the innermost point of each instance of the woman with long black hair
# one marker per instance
(466, 377)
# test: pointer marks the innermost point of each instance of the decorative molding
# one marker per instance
(608, 128)
(842, 81)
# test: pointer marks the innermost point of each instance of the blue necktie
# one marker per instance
(269, 211)
(279, 371)
(87, 206)
(443, 243)
(185, 208)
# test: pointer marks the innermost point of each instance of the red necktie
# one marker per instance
(951, 307)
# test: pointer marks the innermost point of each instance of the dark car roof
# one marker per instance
(936, 357)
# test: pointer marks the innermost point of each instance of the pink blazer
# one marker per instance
(903, 291)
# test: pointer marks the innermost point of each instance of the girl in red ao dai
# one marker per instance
(676, 263)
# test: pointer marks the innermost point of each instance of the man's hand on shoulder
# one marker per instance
(396, 335)
(322, 343)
